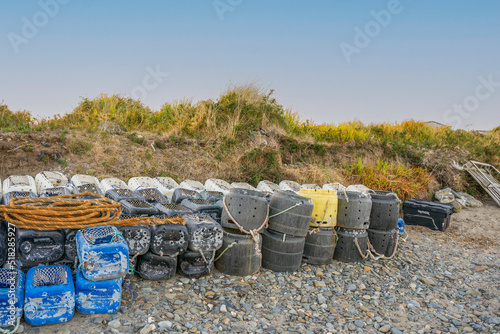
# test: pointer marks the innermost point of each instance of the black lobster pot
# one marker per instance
(436, 216)
(169, 239)
(352, 245)
(205, 234)
(288, 221)
(383, 242)
(35, 246)
(181, 194)
(121, 194)
(137, 207)
(385, 211)
(319, 247)
(172, 210)
(212, 196)
(16, 194)
(239, 255)
(87, 188)
(248, 207)
(194, 265)
(155, 267)
(132, 267)
(203, 206)
(138, 238)
(56, 191)
(152, 196)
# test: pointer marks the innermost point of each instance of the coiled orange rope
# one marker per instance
(68, 211)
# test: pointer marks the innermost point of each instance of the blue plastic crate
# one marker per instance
(49, 295)
(11, 296)
(97, 297)
(102, 252)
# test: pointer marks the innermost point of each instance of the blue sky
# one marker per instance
(417, 59)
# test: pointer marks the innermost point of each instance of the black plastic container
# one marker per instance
(384, 242)
(169, 239)
(354, 210)
(288, 221)
(172, 210)
(281, 252)
(201, 205)
(152, 196)
(70, 252)
(121, 194)
(155, 267)
(137, 207)
(436, 216)
(320, 246)
(194, 265)
(385, 211)
(346, 249)
(35, 246)
(132, 267)
(181, 194)
(243, 257)
(87, 188)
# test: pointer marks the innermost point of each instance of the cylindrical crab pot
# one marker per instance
(354, 210)
(281, 252)
(352, 245)
(194, 264)
(290, 213)
(385, 211)
(383, 242)
(248, 208)
(319, 247)
(240, 254)
(325, 202)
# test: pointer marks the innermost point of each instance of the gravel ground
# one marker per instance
(437, 283)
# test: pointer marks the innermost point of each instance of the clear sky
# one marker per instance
(330, 61)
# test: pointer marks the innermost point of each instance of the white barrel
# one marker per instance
(19, 183)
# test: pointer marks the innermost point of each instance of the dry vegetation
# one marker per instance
(221, 138)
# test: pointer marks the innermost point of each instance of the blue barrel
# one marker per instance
(11, 296)
(49, 296)
(97, 297)
(102, 253)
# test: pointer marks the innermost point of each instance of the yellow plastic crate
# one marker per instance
(325, 206)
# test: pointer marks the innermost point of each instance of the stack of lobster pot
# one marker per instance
(50, 184)
(148, 189)
(320, 239)
(138, 238)
(284, 239)
(383, 230)
(354, 209)
(86, 184)
(104, 260)
(205, 238)
(168, 240)
(244, 216)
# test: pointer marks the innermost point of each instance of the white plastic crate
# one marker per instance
(312, 186)
(19, 183)
(48, 179)
(290, 186)
(334, 186)
(112, 183)
(166, 185)
(192, 185)
(268, 186)
(139, 182)
(218, 185)
(1, 189)
(243, 185)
